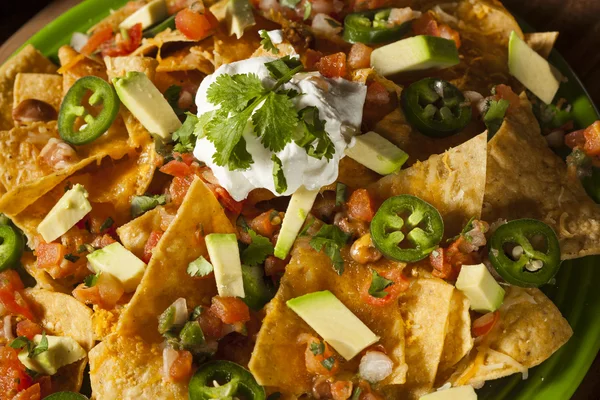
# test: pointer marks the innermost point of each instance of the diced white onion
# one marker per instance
(169, 357)
(181, 312)
(8, 335)
(78, 40)
(322, 23)
(375, 366)
(398, 16)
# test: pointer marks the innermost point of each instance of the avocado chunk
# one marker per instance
(225, 257)
(376, 153)
(147, 104)
(455, 393)
(532, 70)
(334, 322)
(414, 54)
(69, 210)
(119, 262)
(295, 215)
(480, 287)
(62, 350)
(148, 15)
(239, 16)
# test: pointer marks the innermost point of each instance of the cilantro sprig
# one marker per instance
(315, 140)
(331, 239)
(257, 252)
(33, 349)
(267, 43)
(378, 285)
(495, 110)
(199, 268)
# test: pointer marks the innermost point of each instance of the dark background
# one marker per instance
(578, 22)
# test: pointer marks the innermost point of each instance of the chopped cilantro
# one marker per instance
(315, 140)
(141, 204)
(40, 348)
(108, 222)
(199, 267)
(257, 252)
(378, 284)
(19, 343)
(91, 280)
(494, 115)
(86, 247)
(356, 393)
(331, 239)
(328, 363)
(185, 137)
(196, 312)
(278, 175)
(317, 348)
(71, 257)
(172, 96)
(340, 194)
(23, 342)
(267, 43)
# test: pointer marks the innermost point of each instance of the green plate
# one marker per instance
(576, 292)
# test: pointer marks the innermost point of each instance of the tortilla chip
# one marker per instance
(135, 233)
(278, 359)
(458, 340)
(541, 42)
(153, 46)
(525, 179)
(116, 17)
(453, 182)
(44, 87)
(62, 315)
(105, 321)
(425, 309)
(127, 368)
(28, 60)
(75, 66)
(190, 58)
(529, 331)
(166, 278)
(42, 278)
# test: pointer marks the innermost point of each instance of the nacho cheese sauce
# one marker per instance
(340, 103)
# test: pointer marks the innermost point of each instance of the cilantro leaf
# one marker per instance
(71, 257)
(199, 267)
(201, 124)
(315, 140)
(356, 393)
(185, 137)
(275, 121)
(267, 43)
(257, 252)
(278, 175)
(307, 10)
(378, 284)
(328, 363)
(317, 348)
(283, 69)
(225, 132)
(234, 92)
(91, 280)
(494, 115)
(20, 342)
(141, 204)
(172, 96)
(340, 194)
(86, 247)
(41, 347)
(107, 224)
(196, 312)
(289, 3)
(331, 239)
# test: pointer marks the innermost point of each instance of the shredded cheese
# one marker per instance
(71, 63)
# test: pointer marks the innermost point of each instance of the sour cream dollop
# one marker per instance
(340, 103)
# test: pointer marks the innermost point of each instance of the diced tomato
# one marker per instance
(31, 393)
(28, 329)
(151, 243)
(87, 295)
(187, 158)
(100, 35)
(314, 362)
(575, 139)
(45, 383)
(333, 66)
(378, 103)
(123, 45)
(441, 267)
(227, 201)
(448, 33)
(264, 223)
(179, 188)
(13, 377)
(361, 205)
(50, 254)
(359, 56)
(427, 25)
(592, 139)
(505, 92)
(377, 94)
(401, 284)
(211, 324)
(193, 25)
(230, 309)
(106, 293)
(101, 242)
(483, 325)
(341, 390)
(176, 168)
(448, 262)
(10, 295)
(311, 59)
(275, 266)
(181, 369)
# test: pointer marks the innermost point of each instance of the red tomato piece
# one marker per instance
(176, 168)
(361, 205)
(32, 393)
(427, 25)
(311, 59)
(333, 65)
(181, 369)
(505, 92)
(592, 139)
(359, 56)
(13, 377)
(10, 280)
(100, 35)
(361, 5)
(227, 201)
(50, 254)
(441, 267)
(28, 329)
(575, 139)
(401, 284)
(101, 242)
(193, 25)
(179, 188)
(230, 309)
(10, 295)
(211, 325)
(341, 390)
(151, 243)
(263, 224)
(314, 362)
(483, 325)
(274, 266)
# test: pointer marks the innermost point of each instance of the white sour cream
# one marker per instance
(340, 103)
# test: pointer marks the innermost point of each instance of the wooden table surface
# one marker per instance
(577, 21)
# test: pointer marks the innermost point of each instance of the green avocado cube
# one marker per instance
(480, 287)
(455, 393)
(377, 153)
(119, 262)
(69, 210)
(224, 255)
(62, 350)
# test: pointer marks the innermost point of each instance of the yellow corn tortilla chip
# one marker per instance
(190, 58)
(525, 179)
(44, 87)
(278, 359)
(153, 46)
(75, 66)
(134, 234)
(62, 315)
(117, 16)
(128, 368)
(541, 42)
(529, 331)
(166, 278)
(425, 309)
(105, 321)
(27, 60)
(453, 182)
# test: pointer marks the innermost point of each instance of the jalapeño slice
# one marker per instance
(233, 381)
(406, 228)
(72, 107)
(11, 247)
(525, 252)
(372, 27)
(435, 107)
